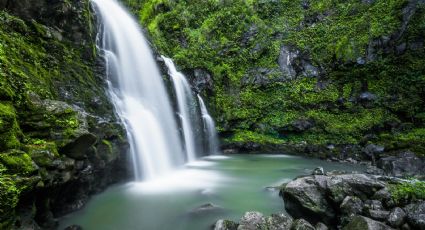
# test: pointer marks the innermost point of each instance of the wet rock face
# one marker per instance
(68, 19)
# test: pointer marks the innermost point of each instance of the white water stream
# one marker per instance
(139, 94)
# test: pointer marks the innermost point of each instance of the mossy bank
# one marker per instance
(324, 77)
(59, 138)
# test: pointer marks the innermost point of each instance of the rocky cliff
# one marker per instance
(327, 78)
(60, 140)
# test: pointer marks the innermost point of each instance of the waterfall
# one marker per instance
(185, 100)
(209, 129)
(138, 93)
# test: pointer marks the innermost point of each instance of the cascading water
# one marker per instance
(185, 100)
(209, 129)
(138, 93)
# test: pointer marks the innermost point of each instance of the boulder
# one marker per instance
(380, 215)
(373, 151)
(278, 222)
(359, 185)
(351, 205)
(302, 224)
(397, 217)
(321, 226)
(416, 215)
(318, 171)
(225, 225)
(251, 221)
(364, 223)
(306, 198)
(406, 164)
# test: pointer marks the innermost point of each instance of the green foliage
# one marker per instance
(243, 136)
(408, 191)
(232, 38)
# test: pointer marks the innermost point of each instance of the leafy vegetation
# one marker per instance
(357, 47)
(408, 191)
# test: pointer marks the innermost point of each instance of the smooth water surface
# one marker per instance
(236, 184)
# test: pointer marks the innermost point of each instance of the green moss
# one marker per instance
(9, 196)
(9, 129)
(17, 162)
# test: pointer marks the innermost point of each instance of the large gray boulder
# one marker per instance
(306, 198)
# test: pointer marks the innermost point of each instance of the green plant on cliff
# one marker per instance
(233, 39)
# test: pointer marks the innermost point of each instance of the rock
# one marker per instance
(200, 79)
(371, 169)
(299, 126)
(286, 60)
(302, 224)
(397, 217)
(416, 215)
(367, 97)
(314, 197)
(351, 205)
(321, 226)
(78, 147)
(406, 164)
(364, 223)
(225, 225)
(378, 214)
(373, 151)
(278, 221)
(373, 205)
(261, 77)
(318, 171)
(305, 198)
(74, 227)
(384, 196)
(205, 208)
(358, 185)
(251, 221)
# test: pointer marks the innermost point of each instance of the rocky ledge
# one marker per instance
(349, 201)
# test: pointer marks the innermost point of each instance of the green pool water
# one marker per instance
(234, 184)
